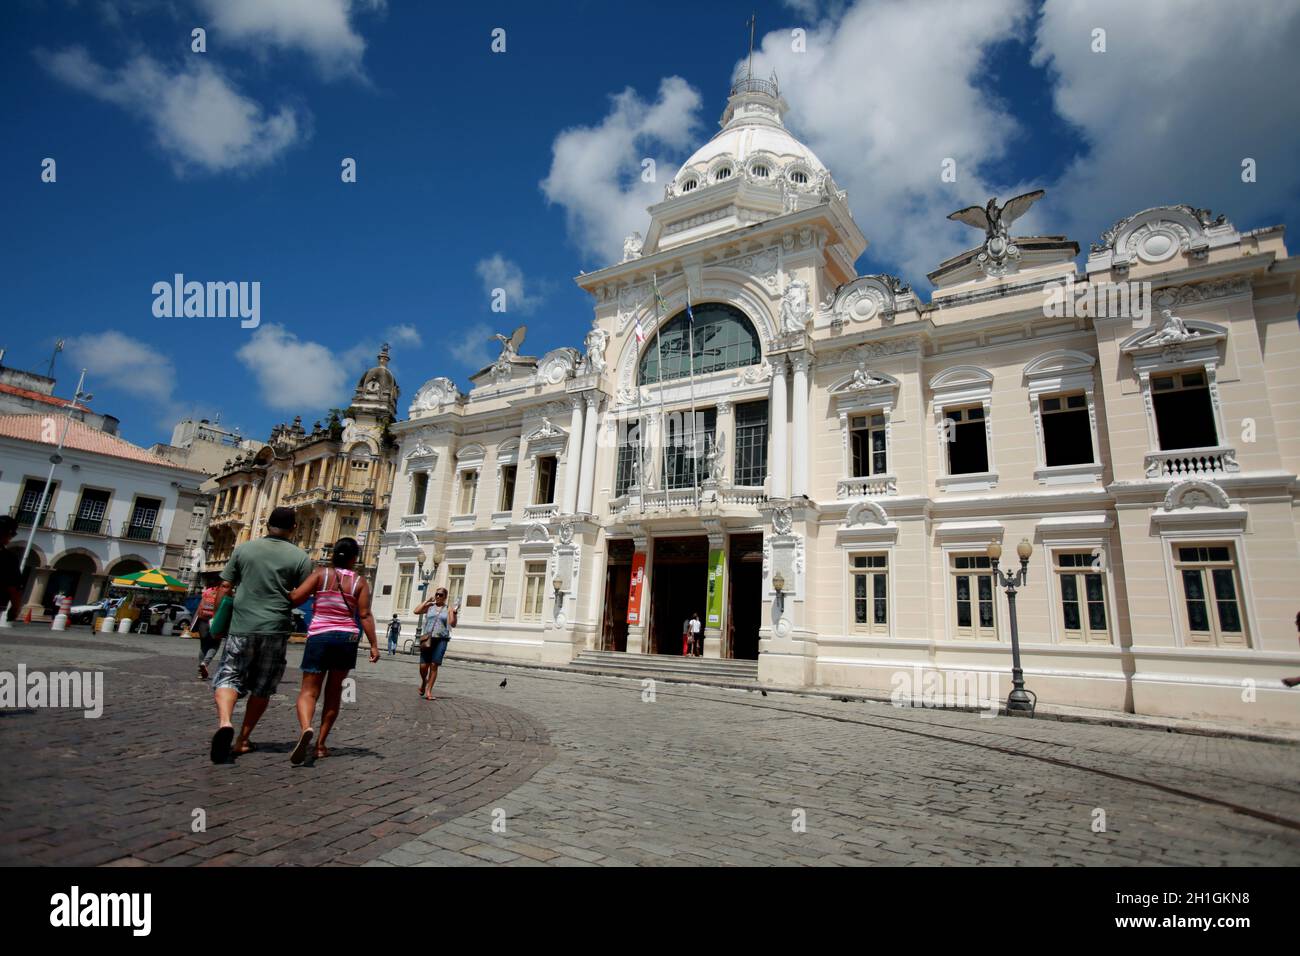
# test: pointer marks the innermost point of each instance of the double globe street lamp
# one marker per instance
(1019, 700)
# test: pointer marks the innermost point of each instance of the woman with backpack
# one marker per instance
(341, 611)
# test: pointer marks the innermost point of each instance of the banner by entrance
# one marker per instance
(713, 616)
(638, 585)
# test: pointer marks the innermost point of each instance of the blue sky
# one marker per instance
(225, 165)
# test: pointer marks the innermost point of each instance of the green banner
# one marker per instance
(713, 616)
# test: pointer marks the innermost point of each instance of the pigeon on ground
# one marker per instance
(763, 692)
(503, 683)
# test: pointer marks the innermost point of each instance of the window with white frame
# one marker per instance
(496, 587)
(506, 499)
(419, 490)
(1081, 585)
(455, 583)
(1183, 409)
(966, 438)
(629, 450)
(1067, 430)
(534, 590)
(468, 491)
(973, 591)
(405, 576)
(1210, 588)
(870, 583)
(867, 445)
(544, 492)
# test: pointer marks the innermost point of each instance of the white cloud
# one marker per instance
(197, 116)
(596, 170)
(472, 350)
(324, 29)
(883, 94)
(404, 334)
(292, 373)
(117, 361)
(1184, 92)
(498, 272)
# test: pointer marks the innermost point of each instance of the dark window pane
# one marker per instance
(1067, 438)
(1185, 419)
(1193, 586)
(722, 336)
(1097, 615)
(1093, 585)
(751, 443)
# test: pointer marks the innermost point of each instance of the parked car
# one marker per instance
(86, 613)
(178, 614)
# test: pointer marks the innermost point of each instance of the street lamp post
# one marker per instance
(1019, 700)
(425, 578)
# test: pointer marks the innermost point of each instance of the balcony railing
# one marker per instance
(542, 512)
(1191, 462)
(342, 496)
(867, 486)
(140, 532)
(80, 524)
(26, 517)
(683, 500)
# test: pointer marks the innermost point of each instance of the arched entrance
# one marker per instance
(71, 575)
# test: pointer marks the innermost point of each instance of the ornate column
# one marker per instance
(587, 485)
(801, 362)
(726, 434)
(574, 456)
(780, 461)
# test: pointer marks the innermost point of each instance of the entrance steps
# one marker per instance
(669, 665)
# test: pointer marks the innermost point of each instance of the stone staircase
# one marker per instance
(708, 669)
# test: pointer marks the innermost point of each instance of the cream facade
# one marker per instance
(865, 447)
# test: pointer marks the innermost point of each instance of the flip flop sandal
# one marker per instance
(300, 751)
(221, 742)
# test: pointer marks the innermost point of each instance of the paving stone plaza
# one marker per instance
(559, 768)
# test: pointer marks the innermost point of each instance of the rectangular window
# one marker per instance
(31, 501)
(628, 450)
(867, 445)
(496, 585)
(91, 511)
(506, 502)
(968, 450)
(869, 573)
(751, 444)
(1184, 412)
(534, 590)
(419, 489)
(455, 583)
(468, 491)
(1211, 594)
(144, 517)
(405, 575)
(973, 593)
(544, 493)
(1067, 434)
(689, 440)
(1082, 587)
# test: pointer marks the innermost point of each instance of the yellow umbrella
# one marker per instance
(153, 579)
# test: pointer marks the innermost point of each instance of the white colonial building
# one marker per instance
(864, 447)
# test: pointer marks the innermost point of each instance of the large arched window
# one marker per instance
(722, 335)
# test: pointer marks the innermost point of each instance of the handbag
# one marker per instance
(221, 620)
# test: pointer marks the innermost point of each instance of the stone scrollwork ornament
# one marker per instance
(795, 308)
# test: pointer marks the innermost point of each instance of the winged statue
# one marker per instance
(510, 344)
(996, 220)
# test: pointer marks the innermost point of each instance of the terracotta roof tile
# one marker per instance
(81, 437)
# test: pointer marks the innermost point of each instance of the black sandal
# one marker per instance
(221, 742)
(300, 751)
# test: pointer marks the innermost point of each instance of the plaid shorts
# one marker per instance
(252, 664)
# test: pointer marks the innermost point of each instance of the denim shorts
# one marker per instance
(251, 664)
(434, 653)
(330, 651)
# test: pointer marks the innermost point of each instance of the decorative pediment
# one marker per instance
(870, 297)
(546, 435)
(960, 376)
(863, 382)
(1060, 362)
(537, 534)
(1195, 493)
(470, 453)
(866, 514)
(435, 395)
(1158, 234)
(508, 452)
(1172, 331)
(557, 365)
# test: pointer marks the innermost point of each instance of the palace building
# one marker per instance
(337, 477)
(747, 412)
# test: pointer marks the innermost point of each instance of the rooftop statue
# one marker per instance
(1000, 253)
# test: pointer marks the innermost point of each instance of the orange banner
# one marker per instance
(634, 592)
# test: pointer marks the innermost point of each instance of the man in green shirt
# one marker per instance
(265, 572)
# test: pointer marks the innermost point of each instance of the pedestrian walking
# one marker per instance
(203, 627)
(693, 625)
(266, 571)
(394, 632)
(437, 635)
(341, 612)
(11, 574)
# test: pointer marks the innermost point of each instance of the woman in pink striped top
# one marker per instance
(341, 611)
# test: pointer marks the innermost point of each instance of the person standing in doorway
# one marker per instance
(203, 628)
(266, 571)
(341, 612)
(437, 635)
(697, 647)
(394, 632)
(686, 637)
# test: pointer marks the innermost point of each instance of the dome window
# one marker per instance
(723, 173)
(799, 176)
(760, 171)
(689, 185)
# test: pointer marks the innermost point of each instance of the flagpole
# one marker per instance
(663, 420)
(695, 444)
(640, 437)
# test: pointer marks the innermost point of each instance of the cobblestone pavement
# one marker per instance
(581, 770)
